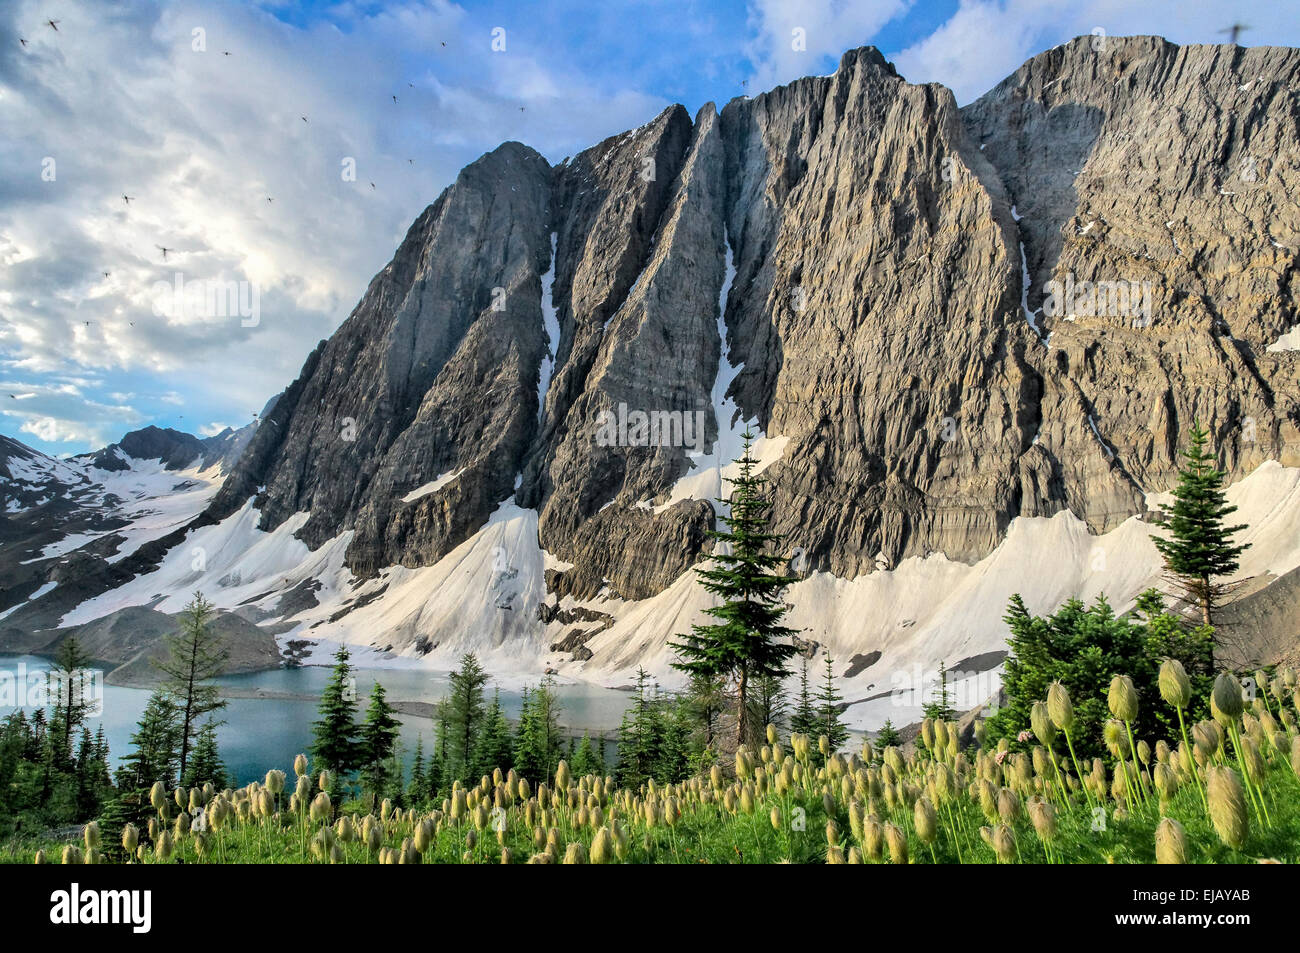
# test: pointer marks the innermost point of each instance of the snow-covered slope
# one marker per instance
(58, 513)
(485, 597)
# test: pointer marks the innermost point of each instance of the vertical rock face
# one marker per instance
(639, 270)
(433, 373)
(889, 314)
(874, 309)
(1143, 162)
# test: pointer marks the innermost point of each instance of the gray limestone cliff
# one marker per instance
(883, 242)
(952, 317)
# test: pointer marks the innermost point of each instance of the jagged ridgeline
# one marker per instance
(939, 318)
(875, 310)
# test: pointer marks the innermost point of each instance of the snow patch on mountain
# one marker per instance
(484, 596)
(46, 587)
(233, 563)
(140, 502)
(1287, 342)
(932, 610)
(433, 485)
(551, 325)
(706, 480)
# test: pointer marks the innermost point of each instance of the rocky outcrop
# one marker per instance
(433, 373)
(1138, 161)
(875, 312)
(874, 308)
(130, 641)
(637, 309)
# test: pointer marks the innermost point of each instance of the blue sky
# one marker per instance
(138, 100)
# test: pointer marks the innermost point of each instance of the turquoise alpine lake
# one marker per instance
(266, 732)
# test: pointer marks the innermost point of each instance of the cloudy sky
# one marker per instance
(223, 132)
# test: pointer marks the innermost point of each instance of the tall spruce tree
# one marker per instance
(494, 747)
(746, 641)
(465, 711)
(335, 746)
(417, 791)
(437, 771)
(940, 706)
(195, 655)
(378, 735)
(69, 683)
(829, 699)
(155, 746)
(587, 760)
(674, 763)
(1199, 549)
(640, 737)
(803, 720)
(538, 742)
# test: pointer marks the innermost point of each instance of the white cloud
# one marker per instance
(53, 430)
(199, 141)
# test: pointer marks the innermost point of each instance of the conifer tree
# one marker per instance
(940, 707)
(586, 760)
(392, 785)
(1199, 548)
(417, 792)
(1083, 647)
(335, 746)
(40, 727)
(195, 655)
(673, 764)
(378, 735)
(437, 771)
(828, 709)
(205, 760)
(494, 747)
(86, 768)
(465, 711)
(101, 753)
(538, 741)
(747, 640)
(130, 806)
(642, 736)
(155, 746)
(888, 736)
(68, 673)
(803, 720)
(707, 697)
(768, 706)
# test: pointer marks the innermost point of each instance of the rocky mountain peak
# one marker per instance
(939, 320)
